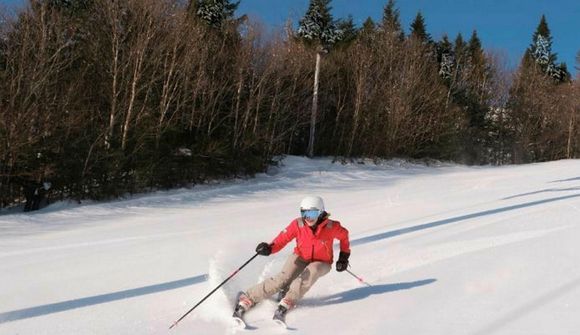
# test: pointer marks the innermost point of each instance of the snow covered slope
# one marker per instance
(446, 249)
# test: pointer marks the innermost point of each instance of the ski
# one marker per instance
(280, 316)
(239, 323)
(281, 323)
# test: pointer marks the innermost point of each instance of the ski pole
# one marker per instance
(358, 278)
(215, 289)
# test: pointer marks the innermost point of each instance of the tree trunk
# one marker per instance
(132, 97)
(357, 110)
(570, 132)
(314, 107)
(114, 93)
(115, 50)
(237, 107)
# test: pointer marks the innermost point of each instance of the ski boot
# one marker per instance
(280, 316)
(242, 306)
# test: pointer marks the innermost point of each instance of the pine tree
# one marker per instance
(459, 45)
(367, 31)
(475, 54)
(368, 26)
(474, 44)
(391, 21)
(445, 58)
(468, 85)
(215, 12)
(318, 27)
(348, 31)
(477, 77)
(459, 52)
(541, 47)
(471, 96)
(419, 30)
(535, 98)
(541, 52)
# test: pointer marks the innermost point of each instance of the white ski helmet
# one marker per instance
(312, 202)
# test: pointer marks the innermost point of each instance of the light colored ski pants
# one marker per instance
(301, 275)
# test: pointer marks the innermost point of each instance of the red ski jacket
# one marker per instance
(313, 246)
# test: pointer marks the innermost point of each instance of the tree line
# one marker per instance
(101, 98)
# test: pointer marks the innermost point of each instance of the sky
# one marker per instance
(503, 25)
(506, 26)
(442, 249)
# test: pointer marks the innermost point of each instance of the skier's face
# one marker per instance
(310, 216)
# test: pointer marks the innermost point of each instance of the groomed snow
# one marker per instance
(447, 249)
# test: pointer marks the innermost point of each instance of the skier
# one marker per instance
(312, 258)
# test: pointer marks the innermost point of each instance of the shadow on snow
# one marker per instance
(95, 300)
(563, 180)
(438, 223)
(543, 191)
(363, 293)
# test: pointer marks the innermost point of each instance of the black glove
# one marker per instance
(264, 249)
(342, 262)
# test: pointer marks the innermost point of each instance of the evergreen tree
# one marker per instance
(368, 26)
(318, 27)
(391, 21)
(563, 75)
(474, 45)
(367, 30)
(468, 85)
(419, 30)
(459, 53)
(215, 12)
(541, 47)
(533, 102)
(475, 56)
(347, 30)
(541, 52)
(446, 58)
(459, 43)
(477, 77)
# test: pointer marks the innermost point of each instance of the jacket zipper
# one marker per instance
(312, 254)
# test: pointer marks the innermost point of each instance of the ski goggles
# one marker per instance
(310, 214)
